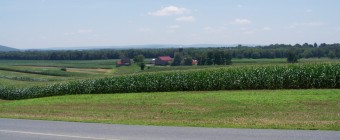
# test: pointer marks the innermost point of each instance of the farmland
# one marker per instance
(26, 73)
(246, 99)
(303, 76)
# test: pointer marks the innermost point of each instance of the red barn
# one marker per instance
(124, 61)
(163, 60)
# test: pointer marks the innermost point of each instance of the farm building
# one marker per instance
(194, 62)
(124, 61)
(163, 60)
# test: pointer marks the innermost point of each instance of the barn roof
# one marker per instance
(165, 58)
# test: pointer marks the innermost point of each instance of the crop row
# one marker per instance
(39, 72)
(233, 78)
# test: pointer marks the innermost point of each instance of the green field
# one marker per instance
(278, 109)
(94, 76)
(27, 73)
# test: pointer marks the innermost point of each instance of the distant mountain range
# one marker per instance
(7, 49)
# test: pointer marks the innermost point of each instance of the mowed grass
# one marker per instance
(274, 109)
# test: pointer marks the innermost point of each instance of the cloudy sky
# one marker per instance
(72, 23)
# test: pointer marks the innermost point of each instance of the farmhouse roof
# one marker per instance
(165, 58)
(119, 62)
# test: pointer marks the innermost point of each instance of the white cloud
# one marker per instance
(186, 19)
(306, 24)
(170, 31)
(315, 24)
(338, 29)
(267, 28)
(144, 29)
(84, 31)
(248, 32)
(174, 27)
(43, 38)
(80, 31)
(208, 28)
(308, 11)
(243, 29)
(240, 21)
(168, 11)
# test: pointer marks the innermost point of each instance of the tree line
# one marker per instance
(205, 55)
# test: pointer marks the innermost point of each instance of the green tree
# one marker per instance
(142, 66)
(255, 55)
(227, 57)
(201, 58)
(188, 61)
(331, 55)
(219, 58)
(307, 53)
(177, 60)
(292, 57)
(210, 58)
(139, 59)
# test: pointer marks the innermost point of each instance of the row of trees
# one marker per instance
(214, 58)
(269, 51)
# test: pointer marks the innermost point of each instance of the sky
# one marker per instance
(28, 24)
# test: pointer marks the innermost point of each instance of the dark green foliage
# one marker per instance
(234, 78)
(177, 60)
(216, 58)
(201, 58)
(270, 51)
(292, 57)
(219, 58)
(142, 66)
(331, 55)
(227, 58)
(210, 58)
(188, 61)
(139, 59)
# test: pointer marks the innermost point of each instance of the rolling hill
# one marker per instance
(7, 49)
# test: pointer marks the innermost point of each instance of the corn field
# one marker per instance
(304, 76)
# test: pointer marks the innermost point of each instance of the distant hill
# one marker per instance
(7, 49)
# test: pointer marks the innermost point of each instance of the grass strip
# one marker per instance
(311, 109)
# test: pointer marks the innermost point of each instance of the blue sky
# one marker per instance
(71, 23)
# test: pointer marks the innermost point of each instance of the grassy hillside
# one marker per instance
(277, 109)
